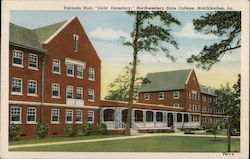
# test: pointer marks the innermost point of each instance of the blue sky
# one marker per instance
(105, 28)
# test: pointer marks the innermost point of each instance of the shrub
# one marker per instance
(168, 131)
(87, 128)
(102, 129)
(71, 130)
(42, 130)
(14, 131)
(188, 131)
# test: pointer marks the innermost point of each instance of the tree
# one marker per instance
(227, 26)
(151, 33)
(119, 88)
(216, 127)
(228, 101)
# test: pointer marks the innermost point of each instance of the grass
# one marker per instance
(222, 133)
(57, 139)
(147, 144)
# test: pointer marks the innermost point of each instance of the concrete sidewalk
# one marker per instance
(141, 135)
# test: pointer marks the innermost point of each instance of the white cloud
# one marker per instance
(109, 34)
(189, 32)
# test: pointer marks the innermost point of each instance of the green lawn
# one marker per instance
(57, 139)
(223, 132)
(147, 144)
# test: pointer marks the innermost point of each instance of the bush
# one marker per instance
(188, 131)
(14, 131)
(102, 129)
(87, 128)
(71, 130)
(168, 131)
(42, 130)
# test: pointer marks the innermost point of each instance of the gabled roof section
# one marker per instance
(207, 90)
(164, 81)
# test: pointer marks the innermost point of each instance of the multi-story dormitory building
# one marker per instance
(55, 77)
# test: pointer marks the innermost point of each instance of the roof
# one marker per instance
(32, 38)
(207, 90)
(163, 81)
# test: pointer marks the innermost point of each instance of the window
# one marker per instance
(55, 90)
(146, 96)
(79, 71)
(189, 95)
(69, 116)
(91, 95)
(17, 58)
(69, 92)
(31, 115)
(203, 98)
(70, 70)
(79, 93)
(198, 108)
(32, 87)
(198, 96)
(189, 107)
(176, 94)
(55, 113)
(16, 86)
(176, 105)
(78, 116)
(75, 38)
(90, 116)
(15, 115)
(56, 68)
(33, 61)
(161, 95)
(91, 74)
(194, 107)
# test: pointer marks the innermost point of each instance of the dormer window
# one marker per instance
(75, 38)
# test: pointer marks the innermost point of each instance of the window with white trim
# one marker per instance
(55, 114)
(16, 86)
(69, 116)
(146, 96)
(55, 90)
(189, 107)
(17, 58)
(91, 95)
(78, 116)
(176, 105)
(203, 98)
(79, 93)
(70, 69)
(189, 95)
(56, 66)
(90, 116)
(75, 38)
(176, 94)
(161, 96)
(79, 71)
(15, 115)
(91, 74)
(198, 108)
(32, 87)
(69, 91)
(31, 115)
(33, 61)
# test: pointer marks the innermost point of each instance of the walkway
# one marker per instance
(141, 135)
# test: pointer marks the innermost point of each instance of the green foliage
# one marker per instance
(216, 127)
(42, 130)
(227, 26)
(87, 128)
(188, 131)
(14, 131)
(102, 129)
(71, 130)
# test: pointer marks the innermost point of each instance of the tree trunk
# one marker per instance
(229, 134)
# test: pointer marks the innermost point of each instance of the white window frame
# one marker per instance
(70, 88)
(93, 93)
(69, 112)
(67, 68)
(176, 94)
(161, 96)
(146, 96)
(36, 57)
(81, 90)
(81, 70)
(14, 64)
(76, 39)
(91, 71)
(59, 63)
(55, 122)
(204, 98)
(16, 122)
(31, 122)
(28, 86)
(17, 93)
(79, 122)
(93, 117)
(176, 105)
(189, 107)
(52, 87)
